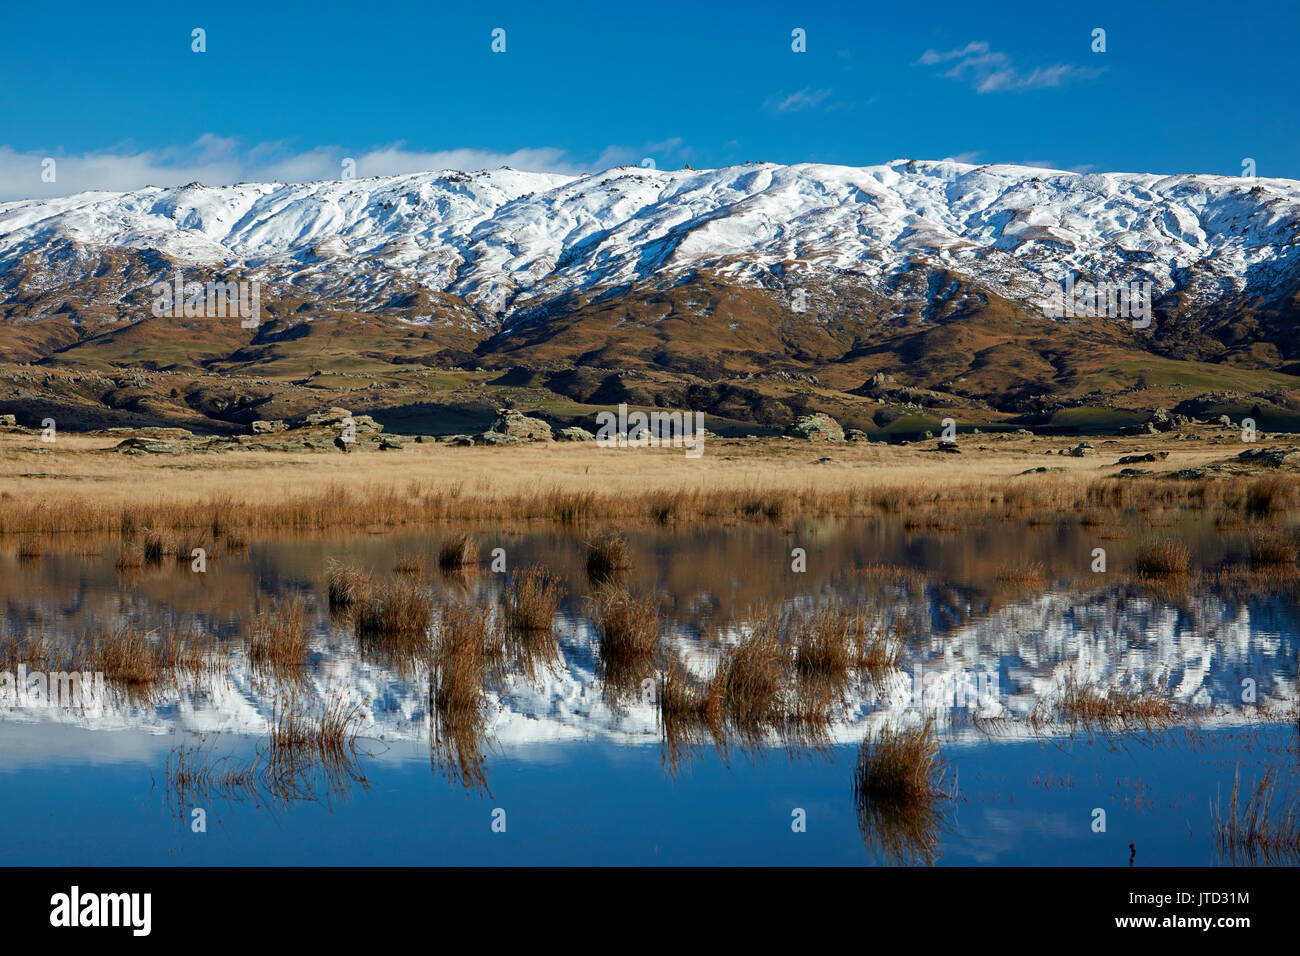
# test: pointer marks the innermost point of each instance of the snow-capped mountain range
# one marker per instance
(504, 241)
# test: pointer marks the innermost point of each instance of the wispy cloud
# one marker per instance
(216, 161)
(989, 71)
(804, 99)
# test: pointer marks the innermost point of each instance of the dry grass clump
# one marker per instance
(897, 790)
(409, 562)
(298, 737)
(1163, 557)
(750, 682)
(532, 599)
(140, 663)
(130, 556)
(308, 755)
(394, 623)
(837, 643)
(469, 653)
(458, 554)
(1256, 829)
(1269, 550)
(607, 556)
(628, 632)
(531, 602)
(348, 585)
(1266, 496)
(278, 638)
(689, 711)
(158, 545)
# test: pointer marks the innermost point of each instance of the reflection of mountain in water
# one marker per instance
(1200, 650)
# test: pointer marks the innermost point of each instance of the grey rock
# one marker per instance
(816, 427)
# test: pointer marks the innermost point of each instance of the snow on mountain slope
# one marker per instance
(504, 239)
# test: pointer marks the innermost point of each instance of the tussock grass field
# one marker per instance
(82, 486)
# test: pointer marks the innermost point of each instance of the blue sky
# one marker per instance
(115, 94)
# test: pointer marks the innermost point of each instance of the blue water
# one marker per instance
(583, 803)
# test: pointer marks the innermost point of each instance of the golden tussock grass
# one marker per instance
(531, 602)
(608, 556)
(898, 792)
(278, 639)
(135, 662)
(1271, 549)
(1163, 557)
(468, 654)
(347, 585)
(233, 496)
(158, 545)
(394, 623)
(627, 628)
(410, 562)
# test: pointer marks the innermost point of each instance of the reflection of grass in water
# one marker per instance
(782, 682)
(1255, 829)
(1271, 550)
(627, 628)
(532, 599)
(137, 665)
(306, 757)
(409, 562)
(898, 792)
(278, 639)
(468, 654)
(607, 556)
(1112, 710)
(347, 585)
(1163, 557)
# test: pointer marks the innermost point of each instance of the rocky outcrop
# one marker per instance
(517, 425)
(575, 433)
(816, 427)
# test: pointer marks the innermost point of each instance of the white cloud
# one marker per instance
(215, 161)
(989, 71)
(802, 100)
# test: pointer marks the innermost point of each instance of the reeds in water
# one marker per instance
(898, 791)
(458, 554)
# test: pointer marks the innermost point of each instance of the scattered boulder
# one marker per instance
(1146, 428)
(148, 446)
(268, 427)
(856, 434)
(497, 438)
(331, 416)
(515, 424)
(1139, 459)
(816, 427)
(8, 421)
(574, 433)
(391, 443)
(1082, 450)
(948, 446)
(1269, 457)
